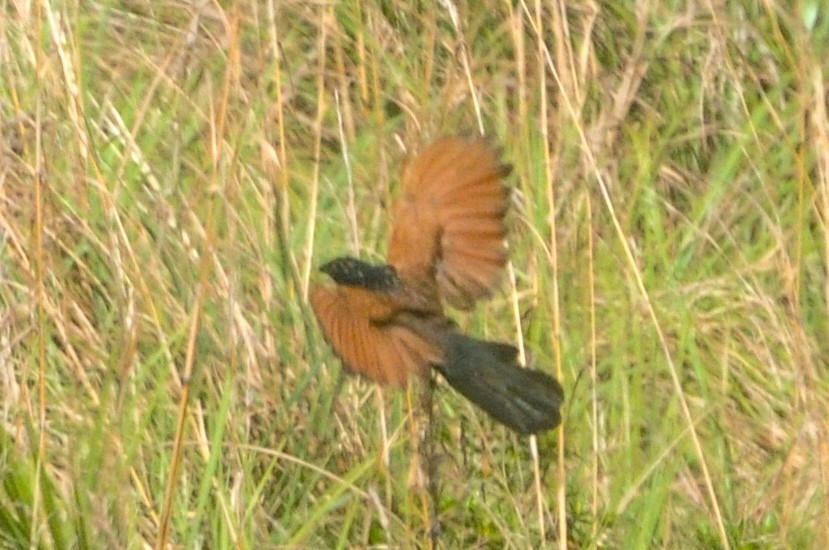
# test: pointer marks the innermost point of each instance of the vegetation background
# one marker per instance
(172, 172)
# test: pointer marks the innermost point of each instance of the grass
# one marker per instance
(171, 173)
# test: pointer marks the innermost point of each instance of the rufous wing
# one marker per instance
(449, 222)
(359, 325)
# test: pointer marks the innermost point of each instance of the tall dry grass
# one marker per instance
(171, 173)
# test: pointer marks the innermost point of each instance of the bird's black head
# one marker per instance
(354, 272)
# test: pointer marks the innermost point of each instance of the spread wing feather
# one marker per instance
(449, 225)
(357, 325)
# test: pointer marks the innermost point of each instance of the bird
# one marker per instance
(447, 246)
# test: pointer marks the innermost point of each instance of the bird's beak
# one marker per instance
(326, 268)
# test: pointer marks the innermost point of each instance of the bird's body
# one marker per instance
(387, 323)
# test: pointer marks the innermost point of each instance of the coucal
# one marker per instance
(386, 322)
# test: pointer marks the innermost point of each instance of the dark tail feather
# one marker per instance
(488, 374)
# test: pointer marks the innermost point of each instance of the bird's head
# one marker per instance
(354, 272)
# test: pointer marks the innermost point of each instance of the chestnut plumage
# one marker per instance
(386, 322)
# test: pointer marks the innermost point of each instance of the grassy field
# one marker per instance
(171, 174)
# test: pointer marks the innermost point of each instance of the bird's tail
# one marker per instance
(488, 374)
